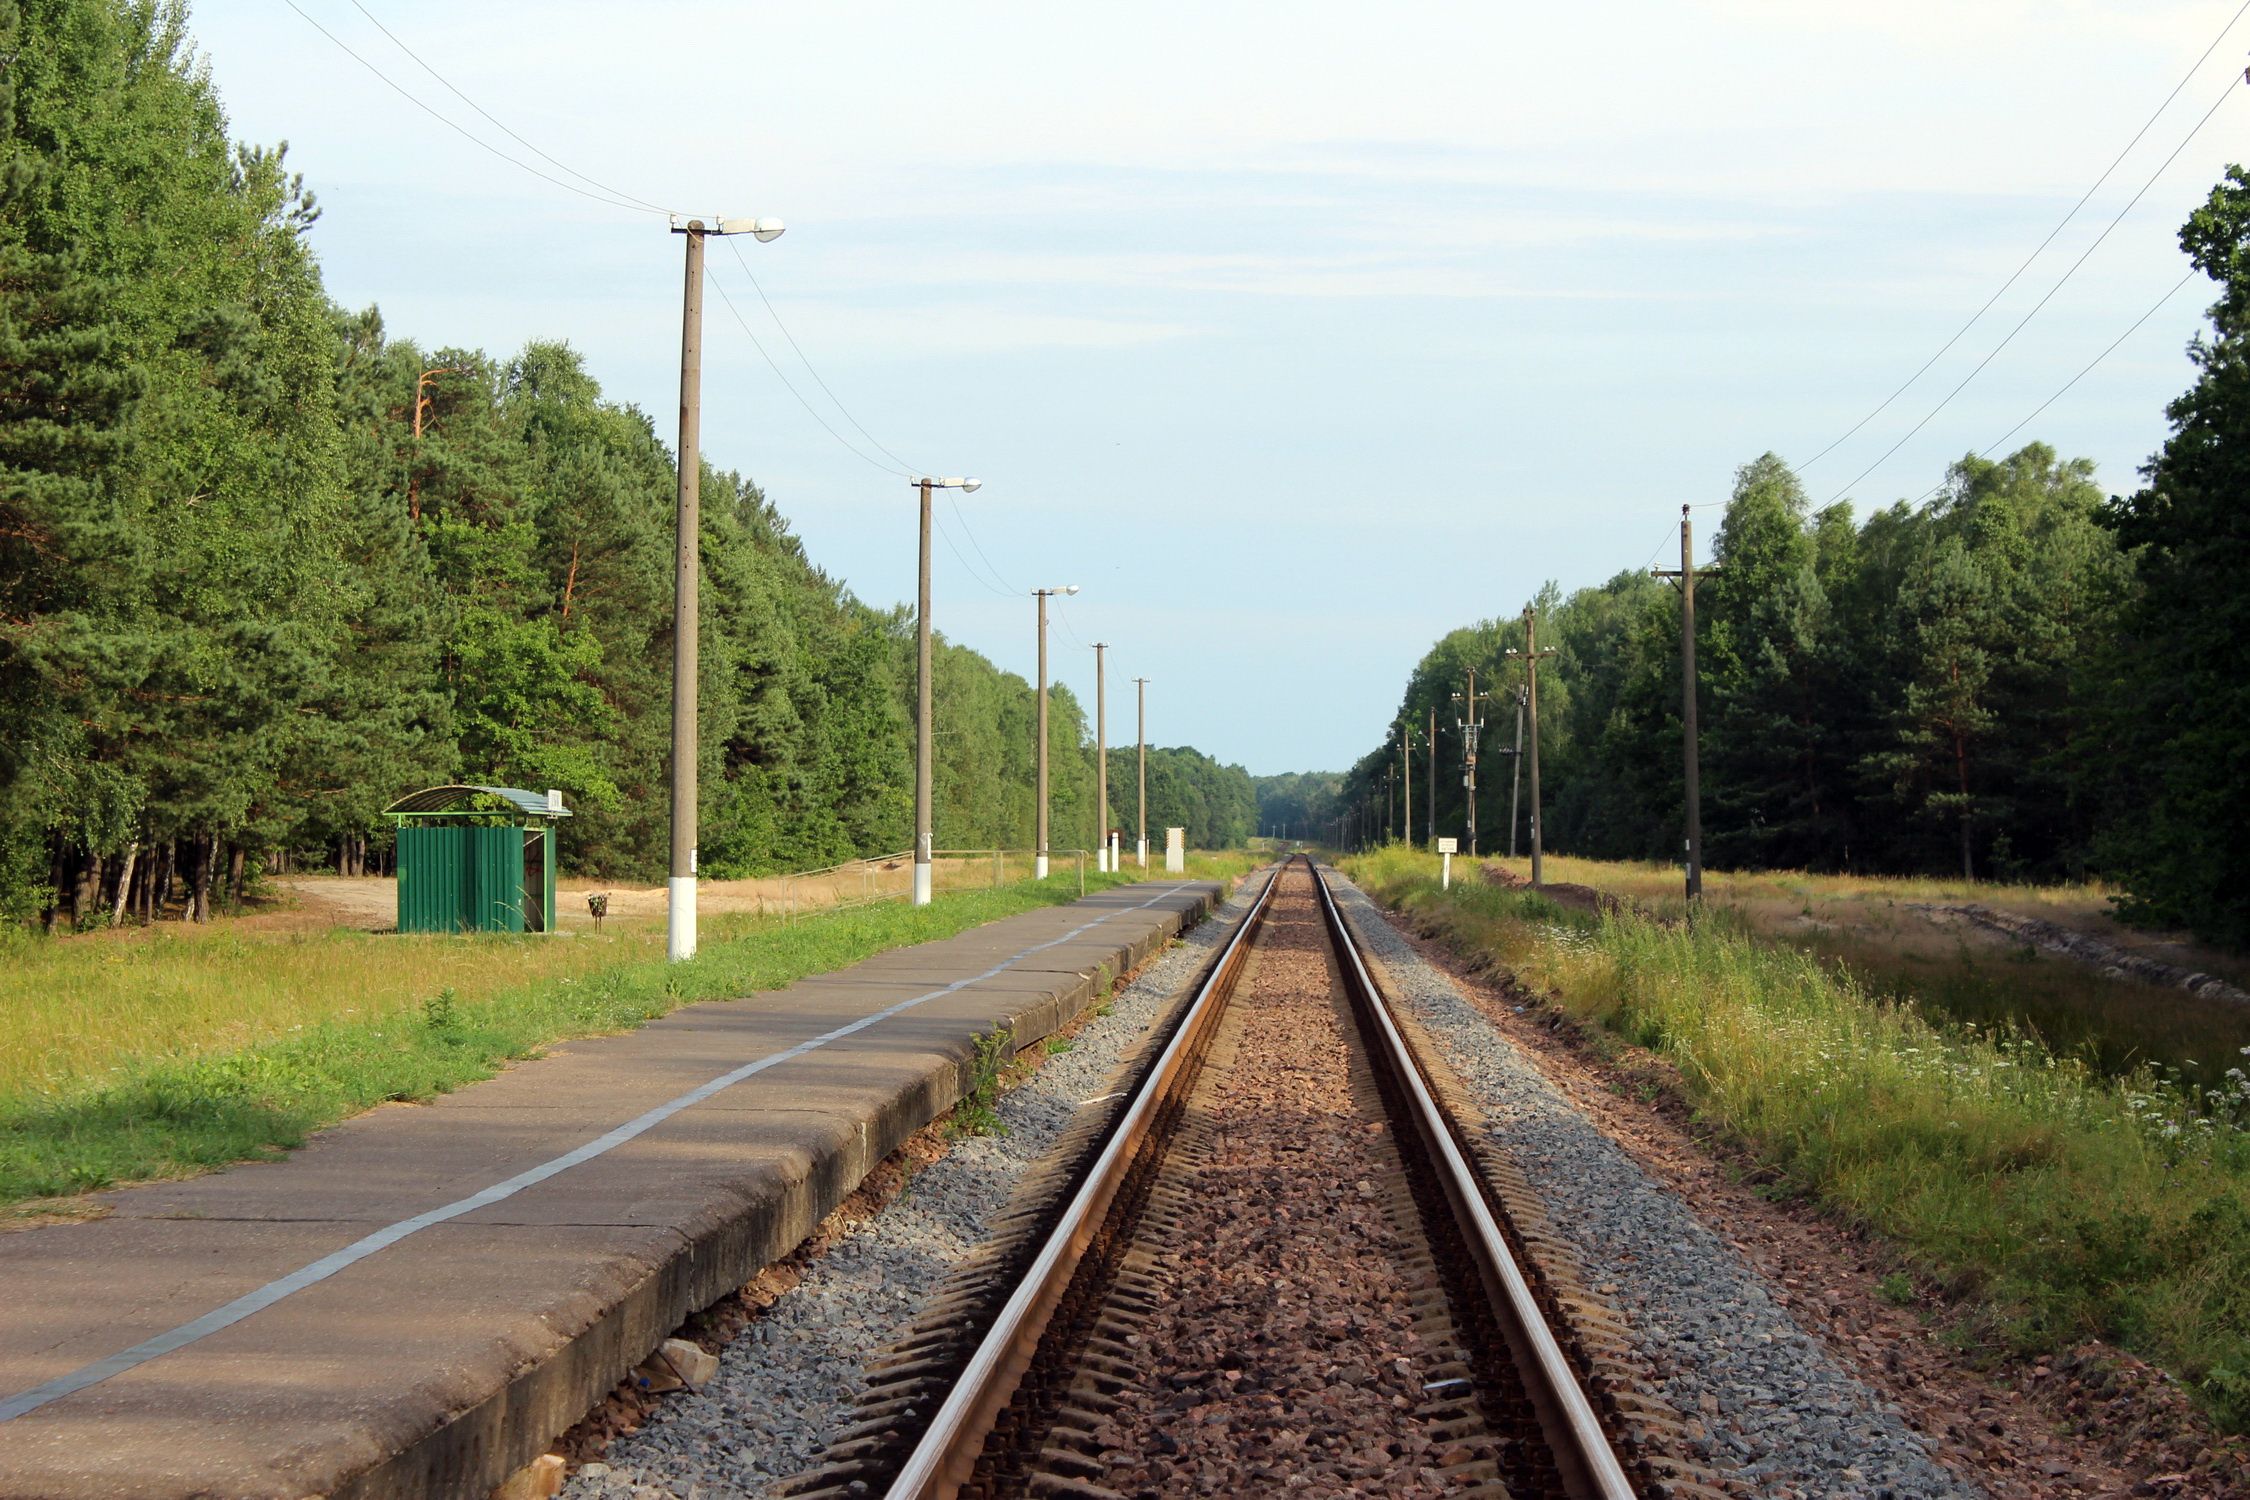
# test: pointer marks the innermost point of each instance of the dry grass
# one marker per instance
(152, 1052)
(78, 1009)
(1870, 926)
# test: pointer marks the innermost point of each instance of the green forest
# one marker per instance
(264, 567)
(2021, 678)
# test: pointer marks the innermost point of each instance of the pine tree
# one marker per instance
(2184, 661)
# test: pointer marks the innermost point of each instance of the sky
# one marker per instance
(1295, 334)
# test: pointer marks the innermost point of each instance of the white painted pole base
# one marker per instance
(679, 932)
(1039, 867)
(921, 885)
(1142, 846)
(1445, 877)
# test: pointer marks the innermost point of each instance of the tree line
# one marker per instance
(2021, 678)
(264, 566)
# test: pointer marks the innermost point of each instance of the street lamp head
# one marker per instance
(761, 229)
(1071, 588)
(971, 486)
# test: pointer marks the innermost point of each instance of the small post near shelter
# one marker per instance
(476, 859)
(1175, 851)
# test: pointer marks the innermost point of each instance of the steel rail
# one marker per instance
(1588, 1464)
(947, 1454)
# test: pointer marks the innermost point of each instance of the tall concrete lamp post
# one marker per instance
(679, 937)
(1140, 756)
(1101, 755)
(1039, 859)
(922, 731)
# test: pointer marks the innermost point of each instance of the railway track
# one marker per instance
(1277, 1261)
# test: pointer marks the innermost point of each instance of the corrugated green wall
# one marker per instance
(460, 879)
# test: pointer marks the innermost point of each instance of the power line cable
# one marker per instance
(968, 567)
(2097, 359)
(782, 376)
(771, 312)
(970, 532)
(2060, 225)
(617, 198)
(1987, 449)
(502, 125)
(1062, 612)
(603, 196)
(2043, 301)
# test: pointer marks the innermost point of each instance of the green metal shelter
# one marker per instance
(476, 859)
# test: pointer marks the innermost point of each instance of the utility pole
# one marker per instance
(1470, 728)
(1406, 775)
(679, 933)
(1039, 855)
(1431, 800)
(1531, 654)
(1140, 840)
(1101, 757)
(1515, 787)
(924, 734)
(1692, 771)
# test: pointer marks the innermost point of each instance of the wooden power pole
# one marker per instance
(1430, 801)
(1470, 727)
(1692, 771)
(1531, 654)
(1406, 776)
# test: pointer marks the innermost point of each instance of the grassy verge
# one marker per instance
(256, 1044)
(2053, 1203)
(1870, 925)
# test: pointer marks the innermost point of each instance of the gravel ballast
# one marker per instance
(1781, 1417)
(786, 1386)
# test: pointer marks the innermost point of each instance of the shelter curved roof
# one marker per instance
(462, 799)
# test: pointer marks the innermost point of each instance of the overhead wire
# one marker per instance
(970, 533)
(779, 374)
(773, 313)
(614, 197)
(782, 376)
(2097, 359)
(602, 196)
(2041, 248)
(502, 125)
(2232, 83)
(2158, 306)
(990, 585)
(1062, 613)
(970, 568)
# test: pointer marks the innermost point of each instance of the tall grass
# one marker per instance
(2059, 1204)
(1862, 922)
(122, 1062)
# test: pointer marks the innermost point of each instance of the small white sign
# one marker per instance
(1449, 846)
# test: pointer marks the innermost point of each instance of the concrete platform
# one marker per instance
(421, 1299)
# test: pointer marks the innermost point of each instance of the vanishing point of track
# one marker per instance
(1282, 1255)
